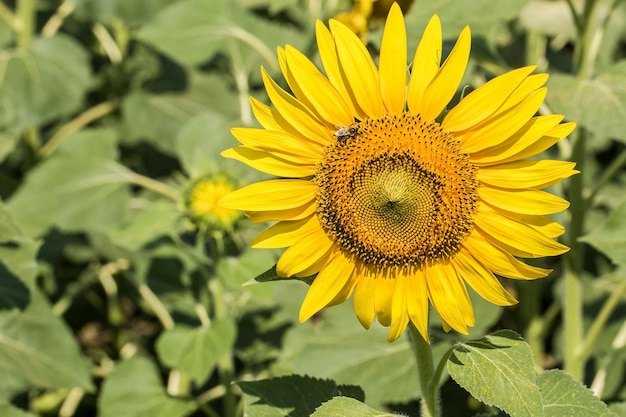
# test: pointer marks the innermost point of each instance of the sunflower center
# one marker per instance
(397, 191)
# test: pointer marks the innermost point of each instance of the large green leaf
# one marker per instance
(192, 31)
(292, 395)
(158, 118)
(564, 396)
(46, 81)
(347, 407)
(598, 104)
(610, 237)
(18, 266)
(72, 193)
(37, 348)
(196, 350)
(499, 371)
(7, 410)
(134, 389)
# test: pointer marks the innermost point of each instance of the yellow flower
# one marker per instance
(366, 11)
(387, 197)
(202, 203)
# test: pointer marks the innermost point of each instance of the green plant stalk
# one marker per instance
(607, 175)
(598, 324)
(157, 306)
(426, 372)
(9, 17)
(572, 302)
(154, 185)
(25, 11)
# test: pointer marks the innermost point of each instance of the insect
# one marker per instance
(345, 132)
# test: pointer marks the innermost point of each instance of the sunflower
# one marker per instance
(201, 203)
(386, 195)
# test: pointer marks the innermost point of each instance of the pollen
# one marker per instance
(400, 193)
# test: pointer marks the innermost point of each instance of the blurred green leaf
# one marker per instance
(200, 141)
(498, 370)
(192, 31)
(196, 351)
(130, 12)
(134, 389)
(18, 266)
(238, 271)
(292, 395)
(618, 408)
(36, 347)
(145, 224)
(347, 407)
(610, 237)
(564, 396)
(158, 118)
(7, 410)
(72, 193)
(47, 81)
(551, 18)
(598, 104)
(91, 142)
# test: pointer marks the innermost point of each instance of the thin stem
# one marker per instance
(607, 175)
(572, 296)
(107, 42)
(157, 306)
(75, 125)
(10, 18)
(71, 402)
(154, 185)
(53, 24)
(598, 324)
(425, 371)
(25, 10)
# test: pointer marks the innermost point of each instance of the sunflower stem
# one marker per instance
(426, 372)
(572, 301)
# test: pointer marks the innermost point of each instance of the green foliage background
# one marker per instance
(114, 303)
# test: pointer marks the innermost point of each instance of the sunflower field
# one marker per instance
(328, 208)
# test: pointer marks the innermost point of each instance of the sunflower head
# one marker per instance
(390, 194)
(201, 203)
(366, 13)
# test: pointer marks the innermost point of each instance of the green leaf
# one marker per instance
(618, 409)
(46, 81)
(18, 265)
(196, 350)
(130, 12)
(610, 237)
(293, 395)
(337, 347)
(37, 348)
(347, 407)
(94, 142)
(158, 118)
(7, 410)
(598, 104)
(200, 142)
(498, 370)
(134, 389)
(564, 396)
(145, 225)
(72, 193)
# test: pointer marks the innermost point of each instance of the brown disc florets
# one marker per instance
(397, 192)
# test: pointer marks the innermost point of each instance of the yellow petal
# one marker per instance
(482, 280)
(530, 84)
(516, 234)
(498, 260)
(442, 88)
(511, 147)
(543, 143)
(417, 303)
(360, 72)
(526, 174)
(449, 296)
(364, 299)
(268, 163)
(296, 213)
(280, 144)
(271, 195)
(393, 61)
(328, 56)
(283, 234)
(295, 113)
(328, 283)
(382, 299)
(533, 202)
(425, 64)
(345, 292)
(485, 100)
(399, 310)
(503, 125)
(268, 117)
(304, 253)
(323, 97)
